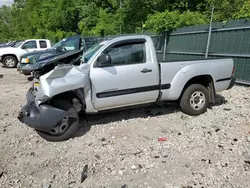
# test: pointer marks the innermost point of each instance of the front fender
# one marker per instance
(62, 79)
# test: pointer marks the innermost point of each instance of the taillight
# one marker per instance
(233, 70)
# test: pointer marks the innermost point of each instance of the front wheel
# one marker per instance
(66, 128)
(195, 100)
(9, 61)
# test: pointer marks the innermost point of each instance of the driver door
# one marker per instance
(125, 82)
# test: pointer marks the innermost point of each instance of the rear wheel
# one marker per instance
(66, 128)
(195, 100)
(10, 62)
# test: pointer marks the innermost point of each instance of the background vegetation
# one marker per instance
(55, 19)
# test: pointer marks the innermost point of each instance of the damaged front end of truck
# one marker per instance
(57, 87)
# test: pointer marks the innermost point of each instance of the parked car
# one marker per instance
(2, 44)
(10, 44)
(112, 81)
(27, 60)
(10, 56)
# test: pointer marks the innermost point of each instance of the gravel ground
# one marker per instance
(121, 149)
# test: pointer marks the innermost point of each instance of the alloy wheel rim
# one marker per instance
(197, 100)
(64, 124)
(61, 127)
(10, 62)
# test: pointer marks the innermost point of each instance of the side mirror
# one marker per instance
(23, 47)
(59, 48)
(104, 60)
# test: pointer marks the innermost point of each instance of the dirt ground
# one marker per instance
(121, 149)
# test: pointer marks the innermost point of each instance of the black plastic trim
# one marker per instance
(131, 91)
(165, 86)
(127, 41)
(224, 79)
(232, 83)
(43, 117)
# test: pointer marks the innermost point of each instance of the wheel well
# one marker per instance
(71, 96)
(9, 55)
(206, 81)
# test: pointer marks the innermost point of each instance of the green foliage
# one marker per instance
(224, 10)
(163, 21)
(244, 11)
(88, 18)
(107, 23)
(167, 21)
(56, 19)
(188, 18)
(5, 22)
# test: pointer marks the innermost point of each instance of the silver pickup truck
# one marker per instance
(124, 72)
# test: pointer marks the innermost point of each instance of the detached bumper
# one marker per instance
(43, 117)
(232, 82)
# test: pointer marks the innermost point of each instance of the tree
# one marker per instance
(244, 11)
(56, 19)
(107, 24)
(223, 9)
(167, 21)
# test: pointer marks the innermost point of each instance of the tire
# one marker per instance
(195, 100)
(10, 62)
(73, 123)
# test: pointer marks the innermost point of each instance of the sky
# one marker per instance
(6, 2)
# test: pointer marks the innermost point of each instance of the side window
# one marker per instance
(128, 53)
(43, 44)
(29, 45)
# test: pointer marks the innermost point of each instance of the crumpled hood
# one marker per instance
(62, 79)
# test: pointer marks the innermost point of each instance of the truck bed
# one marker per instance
(219, 69)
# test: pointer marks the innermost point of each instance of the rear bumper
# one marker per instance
(232, 82)
(43, 117)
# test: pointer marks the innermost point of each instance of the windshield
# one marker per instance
(18, 44)
(93, 49)
(58, 44)
(90, 52)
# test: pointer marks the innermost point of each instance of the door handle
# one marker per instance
(146, 70)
